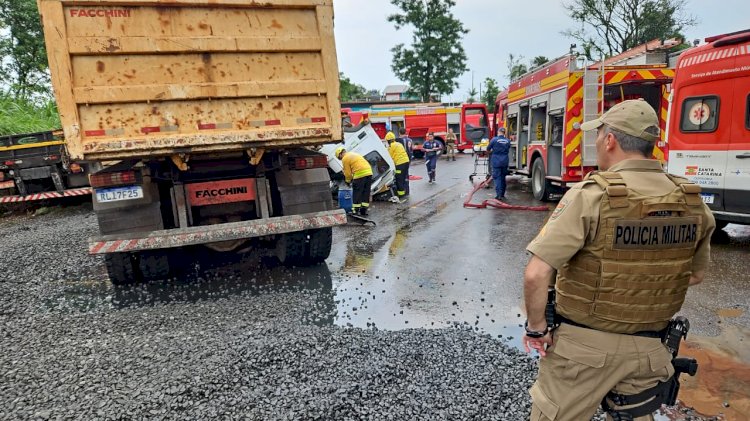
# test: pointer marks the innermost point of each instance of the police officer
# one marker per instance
(626, 243)
(401, 159)
(498, 148)
(450, 145)
(358, 172)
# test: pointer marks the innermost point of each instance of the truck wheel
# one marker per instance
(540, 186)
(290, 248)
(319, 247)
(153, 265)
(120, 268)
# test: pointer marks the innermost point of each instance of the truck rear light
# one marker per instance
(307, 162)
(75, 168)
(10, 163)
(572, 172)
(109, 179)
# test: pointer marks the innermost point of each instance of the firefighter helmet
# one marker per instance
(340, 150)
(390, 136)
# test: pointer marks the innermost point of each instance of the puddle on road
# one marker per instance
(723, 374)
(730, 312)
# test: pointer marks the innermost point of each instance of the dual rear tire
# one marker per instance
(130, 268)
(305, 248)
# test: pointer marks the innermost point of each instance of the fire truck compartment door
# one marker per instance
(557, 99)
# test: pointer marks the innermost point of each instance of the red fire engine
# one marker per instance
(543, 109)
(470, 122)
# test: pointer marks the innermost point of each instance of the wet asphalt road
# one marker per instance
(432, 263)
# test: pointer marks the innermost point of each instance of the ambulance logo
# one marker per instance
(691, 170)
(699, 113)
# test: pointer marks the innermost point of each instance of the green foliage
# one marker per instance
(515, 67)
(436, 57)
(538, 61)
(18, 115)
(24, 68)
(490, 93)
(349, 90)
(472, 96)
(610, 27)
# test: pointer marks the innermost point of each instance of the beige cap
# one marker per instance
(634, 117)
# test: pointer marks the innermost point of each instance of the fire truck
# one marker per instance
(542, 111)
(470, 122)
(709, 124)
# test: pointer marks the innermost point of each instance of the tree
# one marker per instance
(610, 27)
(538, 61)
(490, 93)
(472, 96)
(515, 67)
(349, 90)
(24, 59)
(436, 57)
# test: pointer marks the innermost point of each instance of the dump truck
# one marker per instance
(201, 121)
(36, 166)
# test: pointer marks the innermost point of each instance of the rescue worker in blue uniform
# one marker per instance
(431, 148)
(498, 148)
(406, 142)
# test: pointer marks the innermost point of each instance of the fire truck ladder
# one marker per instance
(593, 89)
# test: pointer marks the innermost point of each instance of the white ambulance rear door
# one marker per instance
(737, 179)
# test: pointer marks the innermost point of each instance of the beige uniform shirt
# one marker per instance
(575, 220)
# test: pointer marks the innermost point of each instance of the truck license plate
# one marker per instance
(707, 198)
(119, 193)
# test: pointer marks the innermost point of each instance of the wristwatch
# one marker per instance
(533, 333)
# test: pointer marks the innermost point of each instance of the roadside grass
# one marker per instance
(18, 116)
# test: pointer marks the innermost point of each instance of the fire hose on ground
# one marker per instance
(495, 203)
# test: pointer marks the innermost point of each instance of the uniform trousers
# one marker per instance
(450, 151)
(498, 176)
(402, 179)
(431, 163)
(583, 365)
(361, 194)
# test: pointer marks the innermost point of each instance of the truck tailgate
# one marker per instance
(145, 78)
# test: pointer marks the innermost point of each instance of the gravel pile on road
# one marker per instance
(74, 347)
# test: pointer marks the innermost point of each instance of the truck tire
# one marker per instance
(540, 186)
(319, 246)
(120, 268)
(153, 265)
(290, 248)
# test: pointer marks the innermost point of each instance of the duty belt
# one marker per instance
(646, 333)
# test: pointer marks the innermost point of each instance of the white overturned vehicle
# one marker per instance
(363, 140)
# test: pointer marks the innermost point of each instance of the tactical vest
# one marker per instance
(634, 276)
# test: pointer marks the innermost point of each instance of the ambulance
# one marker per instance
(709, 124)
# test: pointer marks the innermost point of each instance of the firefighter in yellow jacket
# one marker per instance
(358, 172)
(621, 249)
(398, 153)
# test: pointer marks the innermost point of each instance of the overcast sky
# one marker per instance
(497, 27)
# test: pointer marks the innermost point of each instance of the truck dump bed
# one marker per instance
(146, 78)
